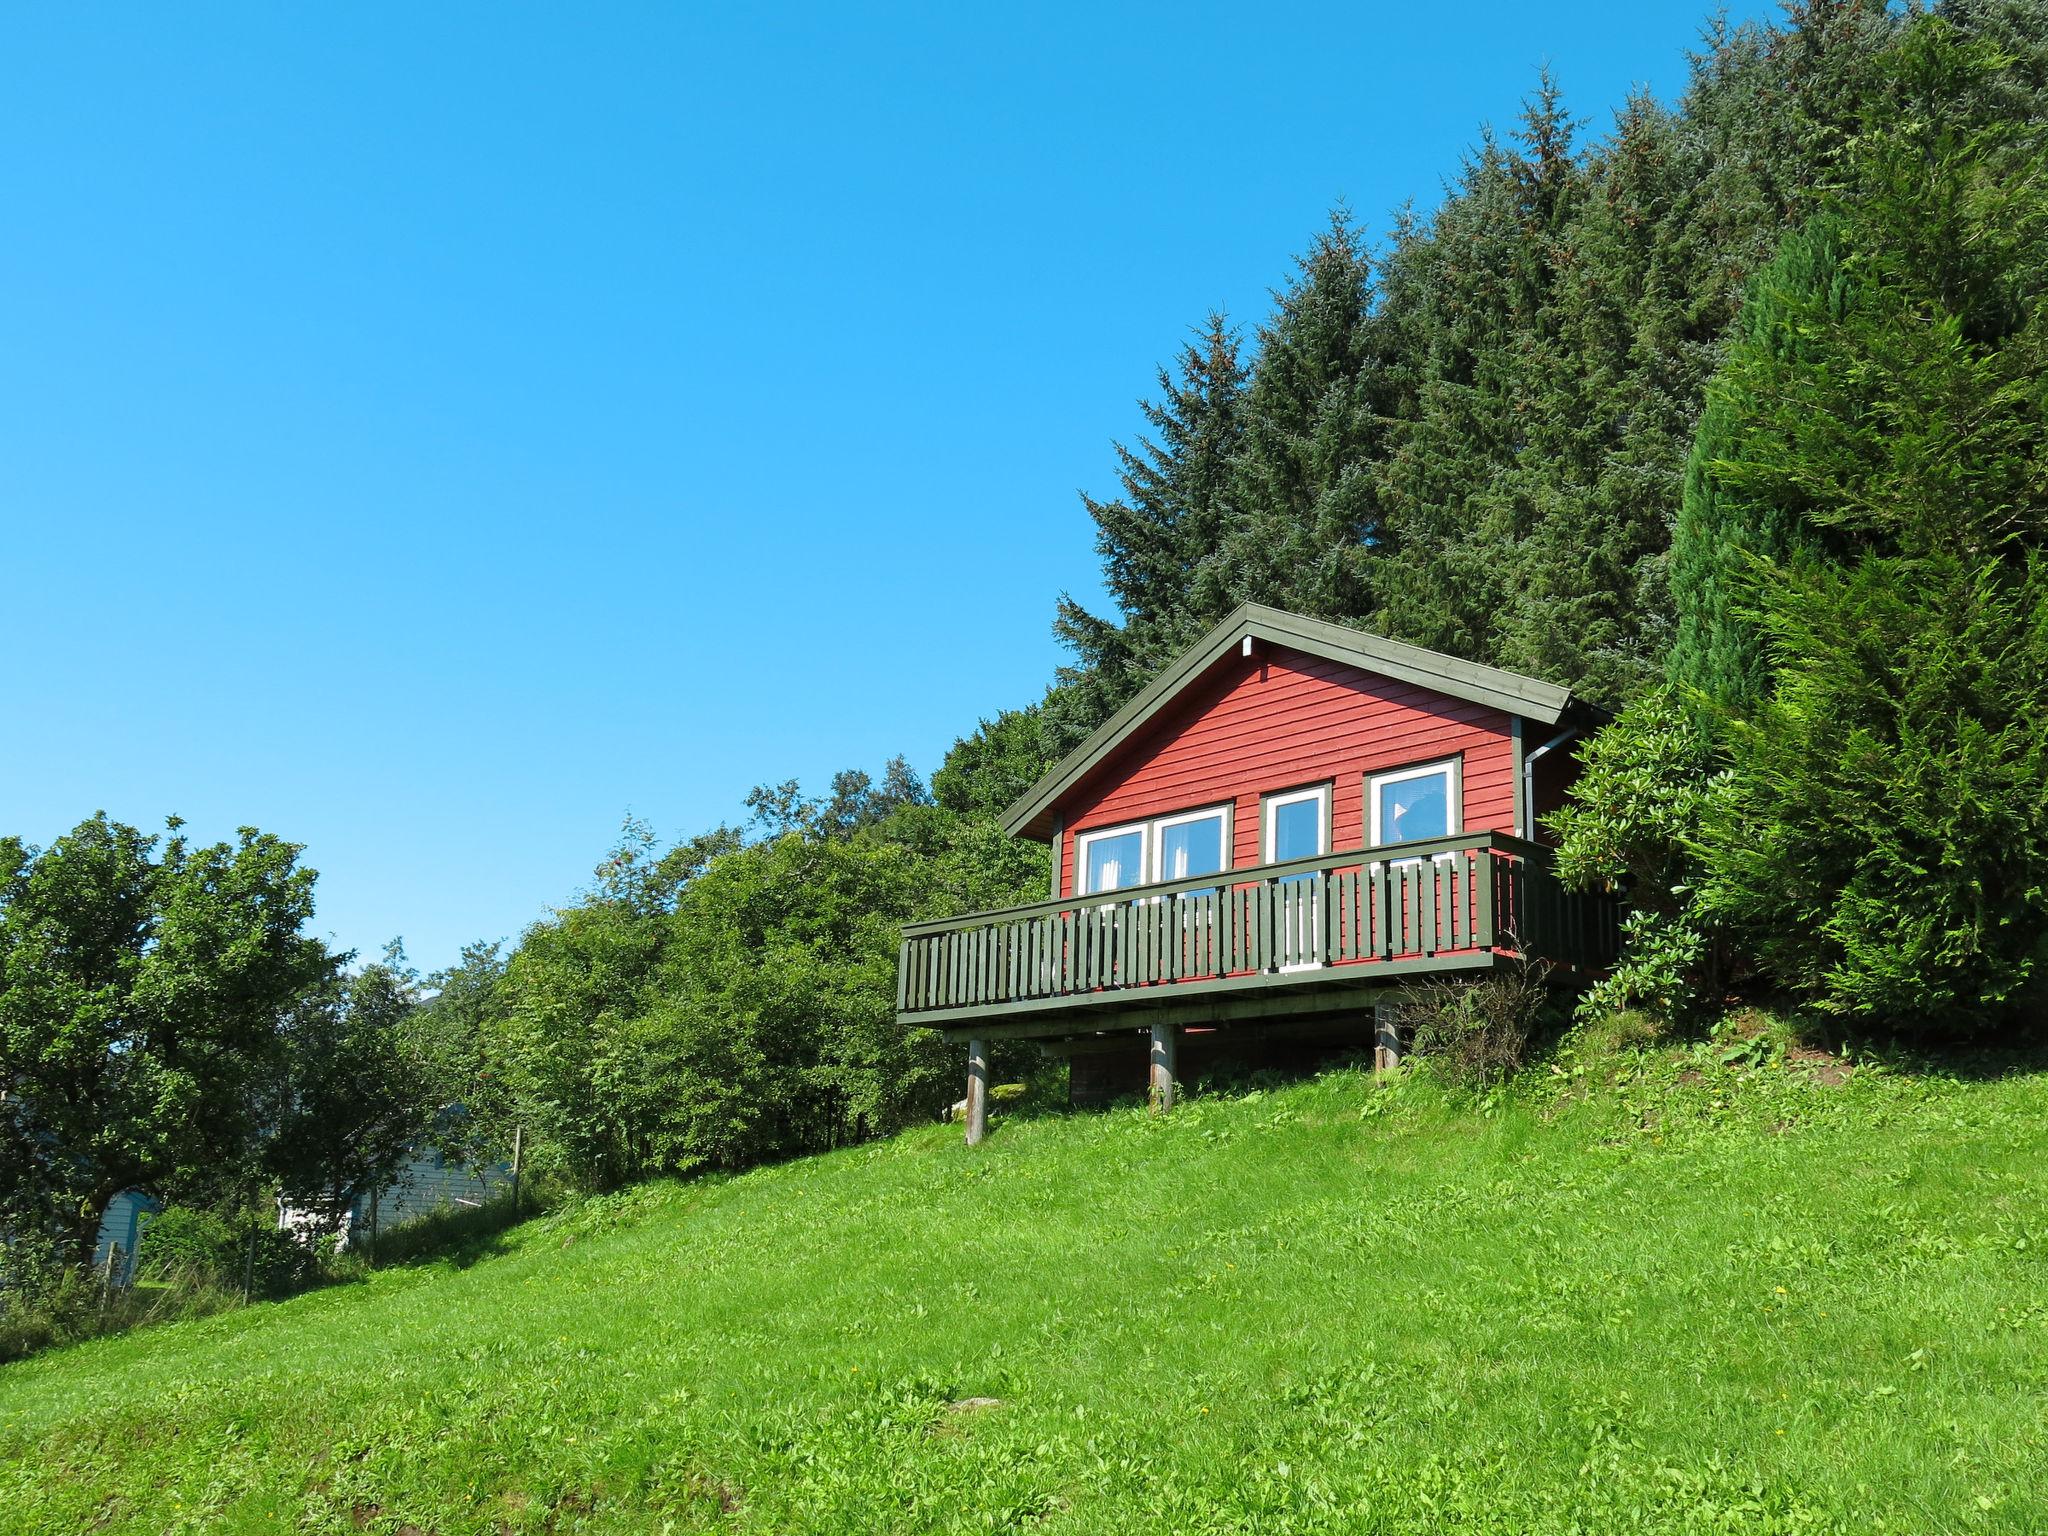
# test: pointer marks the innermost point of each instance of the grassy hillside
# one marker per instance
(1647, 1293)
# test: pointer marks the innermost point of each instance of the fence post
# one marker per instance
(518, 1146)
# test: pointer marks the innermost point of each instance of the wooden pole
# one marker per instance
(518, 1146)
(977, 1090)
(1165, 1041)
(1386, 1030)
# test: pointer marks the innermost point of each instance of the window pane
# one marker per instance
(1298, 829)
(1114, 862)
(1411, 809)
(1191, 848)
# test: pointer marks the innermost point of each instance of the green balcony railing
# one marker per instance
(1480, 895)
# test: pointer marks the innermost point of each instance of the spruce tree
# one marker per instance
(1471, 299)
(1306, 524)
(1159, 540)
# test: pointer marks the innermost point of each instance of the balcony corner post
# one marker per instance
(1165, 1062)
(977, 1091)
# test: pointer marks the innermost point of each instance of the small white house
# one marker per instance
(429, 1183)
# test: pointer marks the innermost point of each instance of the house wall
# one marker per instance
(1555, 773)
(1282, 720)
(121, 1226)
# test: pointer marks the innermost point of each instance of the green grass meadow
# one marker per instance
(1651, 1292)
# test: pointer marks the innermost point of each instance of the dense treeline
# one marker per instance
(730, 1000)
(1728, 416)
(1842, 790)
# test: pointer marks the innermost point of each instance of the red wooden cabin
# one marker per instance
(1293, 818)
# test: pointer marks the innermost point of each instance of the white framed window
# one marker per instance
(1191, 843)
(1176, 847)
(1297, 824)
(1109, 860)
(1410, 805)
(1298, 827)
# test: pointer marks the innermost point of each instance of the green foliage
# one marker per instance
(1644, 785)
(1476, 442)
(204, 1251)
(451, 1035)
(734, 1002)
(181, 1241)
(1845, 789)
(1730, 528)
(988, 771)
(1159, 540)
(358, 1092)
(1878, 839)
(145, 987)
(1307, 526)
(1652, 1291)
(1882, 838)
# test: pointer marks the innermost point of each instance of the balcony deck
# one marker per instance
(1304, 936)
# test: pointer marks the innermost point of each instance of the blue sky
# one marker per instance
(429, 433)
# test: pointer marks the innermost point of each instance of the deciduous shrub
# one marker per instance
(181, 1243)
(1477, 1033)
(1631, 826)
(199, 1249)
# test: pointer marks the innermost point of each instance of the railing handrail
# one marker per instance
(1250, 874)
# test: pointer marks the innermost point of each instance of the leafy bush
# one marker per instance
(1631, 826)
(181, 1243)
(199, 1249)
(1477, 1033)
(46, 1301)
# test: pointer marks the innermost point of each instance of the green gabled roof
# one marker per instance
(1545, 703)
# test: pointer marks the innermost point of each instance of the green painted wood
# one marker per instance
(1336, 911)
(1419, 849)
(1428, 912)
(1053, 1017)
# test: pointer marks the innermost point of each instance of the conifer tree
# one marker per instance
(1470, 302)
(1862, 581)
(1307, 523)
(1159, 539)
(1728, 533)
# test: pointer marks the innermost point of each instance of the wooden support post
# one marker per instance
(977, 1090)
(1165, 1041)
(1386, 1045)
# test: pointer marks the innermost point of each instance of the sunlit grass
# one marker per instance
(1644, 1292)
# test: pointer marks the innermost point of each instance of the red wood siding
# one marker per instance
(1284, 720)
